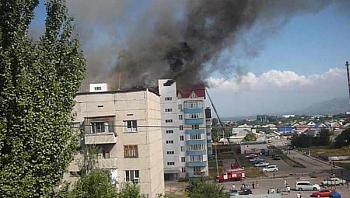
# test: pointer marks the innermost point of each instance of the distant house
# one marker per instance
(311, 124)
(253, 147)
(238, 133)
(285, 130)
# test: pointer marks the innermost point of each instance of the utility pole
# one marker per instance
(347, 69)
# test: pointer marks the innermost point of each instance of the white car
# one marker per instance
(306, 185)
(333, 181)
(270, 168)
(261, 164)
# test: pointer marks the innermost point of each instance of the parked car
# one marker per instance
(246, 192)
(256, 160)
(306, 185)
(261, 164)
(321, 193)
(276, 157)
(250, 156)
(270, 168)
(333, 181)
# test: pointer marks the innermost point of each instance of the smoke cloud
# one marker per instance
(135, 43)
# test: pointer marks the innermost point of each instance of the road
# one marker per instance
(315, 171)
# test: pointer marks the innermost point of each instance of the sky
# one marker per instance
(301, 63)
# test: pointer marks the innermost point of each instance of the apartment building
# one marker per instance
(186, 130)
(118, 124)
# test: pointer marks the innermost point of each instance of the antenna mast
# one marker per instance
(347, 69)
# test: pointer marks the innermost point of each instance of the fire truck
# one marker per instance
(235, 173)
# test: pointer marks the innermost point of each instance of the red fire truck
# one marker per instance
(234, 174)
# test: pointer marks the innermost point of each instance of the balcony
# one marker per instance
(202, 152)
(193, 110)
(193, 142)
(109, 163)
(196, 164)
(196, 121)
(194, 131)
(100, 138)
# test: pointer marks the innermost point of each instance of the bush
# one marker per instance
(206, 190)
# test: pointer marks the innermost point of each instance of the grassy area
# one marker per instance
(252, 172)
(343, 165)
(326, 151)
(288, 160)
(173, 195)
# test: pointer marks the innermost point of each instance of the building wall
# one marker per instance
(181, 126)
(167, 92)
(142, 106)
(253, 147)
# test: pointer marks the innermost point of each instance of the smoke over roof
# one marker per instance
(140, 42)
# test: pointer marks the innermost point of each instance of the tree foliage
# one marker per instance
(249, 137)
(207, 190)
(94, 185)
(305, 141)
(97, 184)
(38, 82)
(342, 139)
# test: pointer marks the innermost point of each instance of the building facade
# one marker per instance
(186, 130)
(118, 124)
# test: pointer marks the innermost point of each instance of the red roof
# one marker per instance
(199, 90)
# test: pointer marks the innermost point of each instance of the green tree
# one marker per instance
(129, 191)
(38, 83)
(325, 137)
(249, 137)
(207, 190)
(94, 185)
(342, 139)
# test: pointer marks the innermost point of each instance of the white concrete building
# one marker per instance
(118, 124)
(186, 129)
(253, 147)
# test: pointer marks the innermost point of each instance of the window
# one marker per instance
(168, 98)
(195, 127)
(196, 147)
(181, 127)
(98, 88)
(168, 121)
(183, 159)
(169, 142)
(170, 163)
(197, 170)
(193, 104)
(183, 169)
(131, 151)
(180, 117)
(132, 176)
(130, 126)
(170, 152)
(182, 148)
(169, 131)
(99, 127)
(106, 154)
(168, 110)
(180, 107)
(195, 136)
(181, 138)
(196, 158)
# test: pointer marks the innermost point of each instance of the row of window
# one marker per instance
(102, 127)
(182, 138)
(196, 147)
(194, 116)
(193, 104)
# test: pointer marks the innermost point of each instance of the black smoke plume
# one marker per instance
(180, 39)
